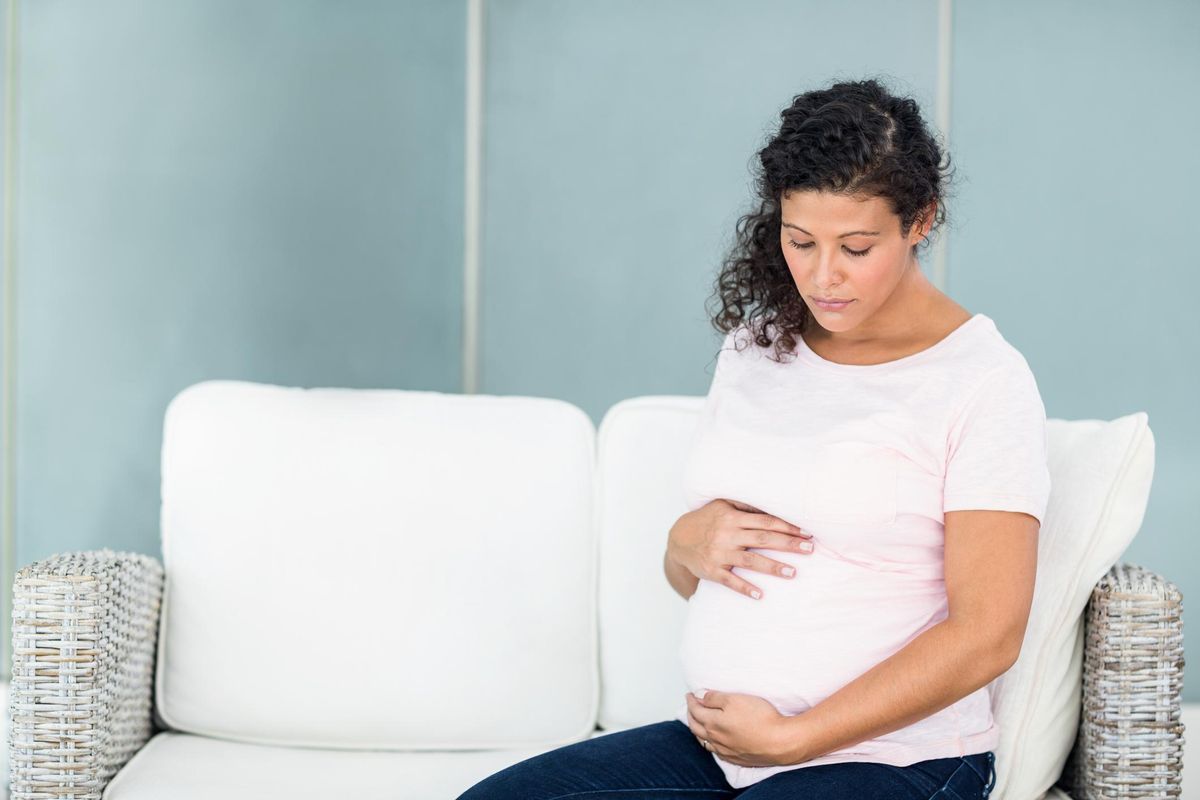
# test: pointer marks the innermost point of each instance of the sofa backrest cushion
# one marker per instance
(642, 444)
(377, 568)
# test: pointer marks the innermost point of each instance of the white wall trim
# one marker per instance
(942, 118)
(472, 197)
(8, 547)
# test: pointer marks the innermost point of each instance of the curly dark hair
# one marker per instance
(854, 138)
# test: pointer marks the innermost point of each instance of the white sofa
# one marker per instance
(392, 594)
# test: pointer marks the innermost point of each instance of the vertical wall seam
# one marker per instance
(472, 196)
(7, 382)
(942, 115)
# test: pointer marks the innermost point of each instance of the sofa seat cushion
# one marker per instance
(185, 766)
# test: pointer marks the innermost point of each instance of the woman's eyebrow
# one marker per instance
(842, 236)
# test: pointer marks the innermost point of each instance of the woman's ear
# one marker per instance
(926, 220)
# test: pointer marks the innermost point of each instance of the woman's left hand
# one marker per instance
(743, 729)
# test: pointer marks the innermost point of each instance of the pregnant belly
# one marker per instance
(808, 635)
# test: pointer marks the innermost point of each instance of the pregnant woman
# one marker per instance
(864, 493)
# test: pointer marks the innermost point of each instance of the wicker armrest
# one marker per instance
(85, 626)
(1130, 739)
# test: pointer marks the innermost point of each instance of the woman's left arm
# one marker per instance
(990, 565)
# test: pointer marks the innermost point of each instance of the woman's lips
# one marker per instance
(832, 306)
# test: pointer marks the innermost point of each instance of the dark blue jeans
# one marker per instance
(663, 761)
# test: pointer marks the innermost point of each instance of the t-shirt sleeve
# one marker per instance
(996, 449)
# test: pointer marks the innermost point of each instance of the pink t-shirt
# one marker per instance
(866, 458)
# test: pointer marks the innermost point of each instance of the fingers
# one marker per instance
(772, 540)
(761, 520)
(767, 539)
(699, 730)
(747, 559)
(748, 527)
(771, 523)
(773, 533)
(751, 560)
(727, 578)
(759, 563)
(694, 724)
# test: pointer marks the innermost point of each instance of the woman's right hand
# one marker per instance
(712, 539)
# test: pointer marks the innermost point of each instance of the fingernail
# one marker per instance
(806, 547)
(755, 593)
(789, 571)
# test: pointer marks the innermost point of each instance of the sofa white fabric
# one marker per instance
(184, 766)
(641, 447)
(377, 568)
(381, 593)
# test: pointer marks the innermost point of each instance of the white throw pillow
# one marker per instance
(1100, 477)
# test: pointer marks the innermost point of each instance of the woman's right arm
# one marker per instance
(680, 578)
(709, 541)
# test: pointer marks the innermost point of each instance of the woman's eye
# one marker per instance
(807, 245)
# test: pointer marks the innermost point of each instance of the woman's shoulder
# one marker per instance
(990, 348)
(989, 363)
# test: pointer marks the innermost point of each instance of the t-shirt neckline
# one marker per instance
(807, 354)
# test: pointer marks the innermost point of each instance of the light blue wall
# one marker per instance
(272, 190)
(619, 140)
(257, 190)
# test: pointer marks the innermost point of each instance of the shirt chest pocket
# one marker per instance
(849, 482)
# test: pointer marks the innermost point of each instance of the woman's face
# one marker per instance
(844, 248)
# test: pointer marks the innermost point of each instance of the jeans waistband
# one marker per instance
(989, 773)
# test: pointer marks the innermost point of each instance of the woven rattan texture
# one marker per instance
(1131, 733)
(84, 636)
